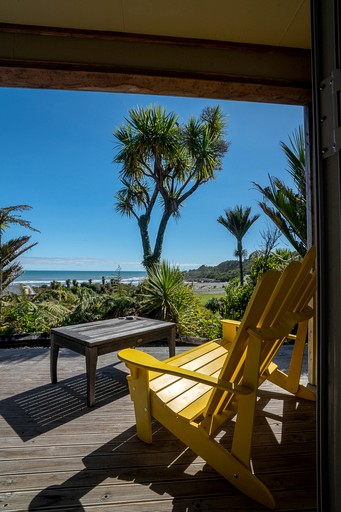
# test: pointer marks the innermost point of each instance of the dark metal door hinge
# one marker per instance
(330, 108)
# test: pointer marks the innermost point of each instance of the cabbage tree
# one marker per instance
(162, 163)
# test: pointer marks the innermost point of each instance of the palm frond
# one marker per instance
(9, 216)
(237, 221)
(285, 206)
(295, 155)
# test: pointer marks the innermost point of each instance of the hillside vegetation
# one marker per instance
(224, 271)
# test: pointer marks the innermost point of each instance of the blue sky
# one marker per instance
(57, 150)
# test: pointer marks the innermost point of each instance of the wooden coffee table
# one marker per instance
(98, 338)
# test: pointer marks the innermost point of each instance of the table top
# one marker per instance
(95, 333)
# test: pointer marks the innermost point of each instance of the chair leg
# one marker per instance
(138, 382)
(281, 380)
(291, 382)
(296, 362)
(242, 439)
(216, 456)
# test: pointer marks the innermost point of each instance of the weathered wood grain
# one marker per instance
(57, 454)
(95, 339)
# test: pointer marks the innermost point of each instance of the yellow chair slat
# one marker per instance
(181, 385)
(252, 316)
(193, 364)
(196, 351)
(293, 289)
(188, 397)
(193, 393)
(195, 409)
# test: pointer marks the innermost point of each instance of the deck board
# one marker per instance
(56, 454)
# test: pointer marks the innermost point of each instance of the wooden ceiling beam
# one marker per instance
(46, 57)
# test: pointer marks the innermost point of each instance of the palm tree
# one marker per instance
(238, 221)
(162, 164)
(12, 249)
(285, 206)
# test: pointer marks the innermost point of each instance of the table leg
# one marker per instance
(54, 350)
(171, 342)
(91, 364)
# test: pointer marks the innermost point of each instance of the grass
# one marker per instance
(205, 297)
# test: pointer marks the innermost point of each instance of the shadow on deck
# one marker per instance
(59, 455)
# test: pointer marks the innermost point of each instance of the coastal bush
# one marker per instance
(224, 271)
(163, 294)
(261, 265)
(60, 295)
(88, 309)
(92, 307)
(214, 304)
(237, 297)
(55, 285)
(199, 322)
(119, 305)
(58, 306)
(236, 300)
(22, 314)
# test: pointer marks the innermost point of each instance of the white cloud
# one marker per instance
(66, 263)
(60, 263)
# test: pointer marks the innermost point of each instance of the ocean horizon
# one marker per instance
(36, 278)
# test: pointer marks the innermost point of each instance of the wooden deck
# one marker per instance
(58, 455)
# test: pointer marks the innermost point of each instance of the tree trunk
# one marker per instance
(147, 251)
(150, 257)
(161, 233)
(240, 256)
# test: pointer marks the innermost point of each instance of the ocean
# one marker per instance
(45, 277)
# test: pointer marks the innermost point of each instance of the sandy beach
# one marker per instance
(204, 287)
(209, 287)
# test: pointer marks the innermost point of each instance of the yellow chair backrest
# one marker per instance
(279, 299)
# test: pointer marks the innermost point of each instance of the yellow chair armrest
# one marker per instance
(230, 322)
(139, 359)
(229, 328)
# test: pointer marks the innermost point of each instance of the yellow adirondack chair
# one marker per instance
(194, 393)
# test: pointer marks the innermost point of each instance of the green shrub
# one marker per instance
(119, 305)
(237, 297)
(215, 304)
(236, 300)
(60, 295)
(23, 315)
(261, 265)
(88, 309)
(198, 321)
